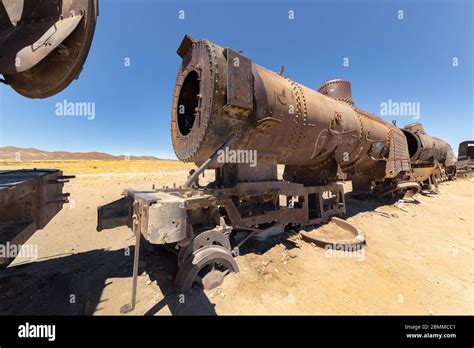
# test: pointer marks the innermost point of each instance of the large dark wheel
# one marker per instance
(209, 237)
(205, 268)
(58, 69)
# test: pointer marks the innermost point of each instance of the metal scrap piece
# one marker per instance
(347, 244)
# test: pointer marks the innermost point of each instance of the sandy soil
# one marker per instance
(418, 259)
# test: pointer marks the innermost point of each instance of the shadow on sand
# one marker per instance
(356, 204)
(46, 287)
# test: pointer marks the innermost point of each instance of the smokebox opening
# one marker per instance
(188, 101)
(412, 142)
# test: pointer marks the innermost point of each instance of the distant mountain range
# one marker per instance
(12, 153)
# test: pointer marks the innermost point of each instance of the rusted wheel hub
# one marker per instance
(210, 237)
(206, 267)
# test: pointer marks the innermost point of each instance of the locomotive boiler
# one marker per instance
(432, 159)
(222, 96)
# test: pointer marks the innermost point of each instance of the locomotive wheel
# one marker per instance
(206, 267)
(57, 70)
(210, 237)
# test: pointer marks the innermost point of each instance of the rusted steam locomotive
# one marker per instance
(224, 102)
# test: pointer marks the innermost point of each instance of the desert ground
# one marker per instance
(418, 258)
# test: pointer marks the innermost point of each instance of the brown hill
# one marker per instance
(12, 153)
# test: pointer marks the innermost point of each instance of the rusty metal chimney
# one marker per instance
(338, 89)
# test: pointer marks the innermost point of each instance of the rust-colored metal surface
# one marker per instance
(220, 92)
(29, 199)
(44, 43)
(465, 161)
(432, 159)
(338, 89)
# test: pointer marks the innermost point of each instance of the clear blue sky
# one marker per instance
(407, 60)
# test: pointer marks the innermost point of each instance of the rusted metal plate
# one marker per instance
(356, 240)
(239, 81)
(399, 158)
(29, 199)
(115, 214)
(185, 46)
(163, 217)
